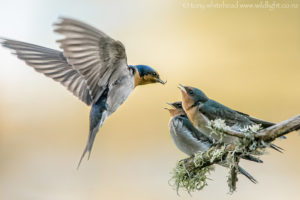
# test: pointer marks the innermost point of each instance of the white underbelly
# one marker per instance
(118, 94)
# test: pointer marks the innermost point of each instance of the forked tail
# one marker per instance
(245, 173)
(98, 115)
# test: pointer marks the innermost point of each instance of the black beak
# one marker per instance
(170, 104)
(182, 88)
(161, 81)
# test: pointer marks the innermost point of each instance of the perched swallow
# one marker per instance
(185, 136)
(190, 141)
(92, 66)
(201, 110)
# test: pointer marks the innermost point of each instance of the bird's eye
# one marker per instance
(154, 74)
(191, 92)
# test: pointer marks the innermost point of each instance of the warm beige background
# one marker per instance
(247, 59)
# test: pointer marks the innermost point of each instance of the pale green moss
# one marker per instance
(233, 171)
(218, 126)
(196, 178)
(191, 181)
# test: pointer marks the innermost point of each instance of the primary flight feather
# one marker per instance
(92, 66)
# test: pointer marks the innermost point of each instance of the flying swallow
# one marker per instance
(201, 110)
(190, 140)
(91, 65)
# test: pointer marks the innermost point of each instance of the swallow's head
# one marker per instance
(176, 109)
(191, 96)
(176, 105)
(146, 75)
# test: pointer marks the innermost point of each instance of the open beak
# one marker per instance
(161, 81)
(182, 88)
(170, 104)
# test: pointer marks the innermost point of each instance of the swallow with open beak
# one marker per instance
(92, 65)
(201, 110)
(190, 140)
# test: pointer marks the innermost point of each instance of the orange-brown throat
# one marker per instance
(176, 112)
(147, 79)
(137, 78)
(187, 101)
(192, 114)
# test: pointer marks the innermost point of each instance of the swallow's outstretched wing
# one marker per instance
(92, 65)
(89, 60)
(53, 64)
(102, 62)
(95, 55)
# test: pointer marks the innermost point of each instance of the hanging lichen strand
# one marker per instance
(191, 174)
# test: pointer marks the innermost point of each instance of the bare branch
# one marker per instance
(280, 129)
(273, 132)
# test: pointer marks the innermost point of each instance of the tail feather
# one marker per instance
(252, 158)
(91, 139)
(82, 156)
(276, 148)
(249, 176)
(98, 115)
(88, 148)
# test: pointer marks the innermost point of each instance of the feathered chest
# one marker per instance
(119, 90)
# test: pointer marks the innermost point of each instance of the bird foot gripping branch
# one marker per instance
(191, 173)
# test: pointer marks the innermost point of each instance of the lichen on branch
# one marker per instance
(191, 173)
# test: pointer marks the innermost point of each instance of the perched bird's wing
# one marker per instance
(53, 64)
(214, 110)
(251, 158)
(194, 132)
(93, 53)
(185, 139)
(265, 124)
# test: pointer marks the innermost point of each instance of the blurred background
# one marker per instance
(246, 58)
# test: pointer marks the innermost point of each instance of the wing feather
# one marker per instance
(53, 64)
(265, 124)
(214, 110)
(93, 53)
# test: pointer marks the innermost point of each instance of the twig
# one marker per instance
(280, 129)
(218, 153)
(267, 135)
